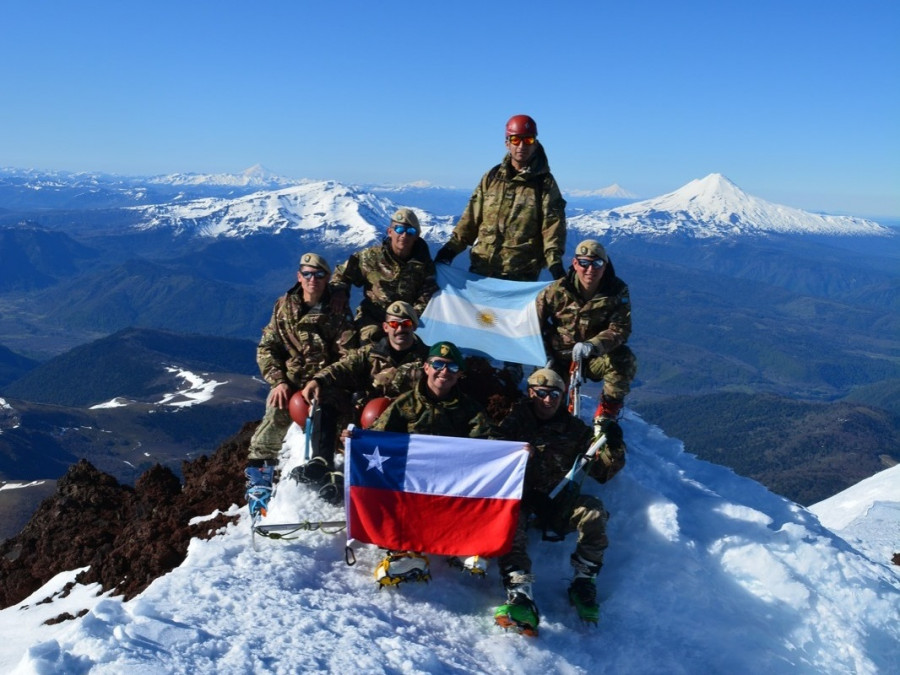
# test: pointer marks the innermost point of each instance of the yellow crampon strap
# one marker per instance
(402, 566)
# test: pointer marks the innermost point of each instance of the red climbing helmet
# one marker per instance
(521, 125)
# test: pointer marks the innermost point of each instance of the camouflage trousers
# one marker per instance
(615, 369)
(269, 436)
(588, 519)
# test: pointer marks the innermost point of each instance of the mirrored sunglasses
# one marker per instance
(590, 262)
(544, 393)
(438, 366)
(406, 229)
(318, 274)
(406, 323)
(516, 140)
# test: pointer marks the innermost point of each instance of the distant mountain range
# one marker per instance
(731, 294)
(126, 402)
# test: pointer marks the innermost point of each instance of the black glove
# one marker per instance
(445, 255)
(557, 271)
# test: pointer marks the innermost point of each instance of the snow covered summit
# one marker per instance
(256, 176)
(346, 216)
(614, 191)
(714, 207)
(706, 572)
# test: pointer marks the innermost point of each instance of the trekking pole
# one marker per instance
(575, 380)
(580, 466)
(309, 428)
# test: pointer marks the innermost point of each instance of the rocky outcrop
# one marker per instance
(127, 537)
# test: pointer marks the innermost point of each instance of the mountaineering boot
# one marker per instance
(606, 416)
(259, 488)
(333, 489)
(476, 565)
(519, 613)
(313, 472)
(583, 590)
(400, 566)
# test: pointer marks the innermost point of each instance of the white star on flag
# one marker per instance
(376, 460)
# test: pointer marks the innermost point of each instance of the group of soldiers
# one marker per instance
(515, 226)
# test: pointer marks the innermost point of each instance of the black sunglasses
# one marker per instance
(544, 393)
(588, 262)
(438, 366)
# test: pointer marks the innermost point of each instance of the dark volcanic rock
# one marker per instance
(126, 536)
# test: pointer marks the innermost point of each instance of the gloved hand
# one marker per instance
(445, 255)
(557, 271)
(582, 351)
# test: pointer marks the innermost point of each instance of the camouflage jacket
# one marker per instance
(557, 443)
(418, 412)
(300, 340)
(376, 370)
(515, 222)
(385, 278)
(566, 318)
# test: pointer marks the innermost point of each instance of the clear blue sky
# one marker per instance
(796, 101)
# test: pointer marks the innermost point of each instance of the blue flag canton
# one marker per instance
(378, 459)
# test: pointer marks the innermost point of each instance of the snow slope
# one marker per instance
(713, 207)
(706, 572)
(867, 514)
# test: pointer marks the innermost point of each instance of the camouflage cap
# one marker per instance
(591, 249)
(314, 260)
(545, 377)
(406, 217)
(449, 351)
(403, 310)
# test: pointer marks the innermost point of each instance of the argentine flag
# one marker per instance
(495, 318)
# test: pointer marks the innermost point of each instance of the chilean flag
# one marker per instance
(433, 494)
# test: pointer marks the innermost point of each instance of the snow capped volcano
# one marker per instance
(346, 216)
(714, 207)
(614, 191)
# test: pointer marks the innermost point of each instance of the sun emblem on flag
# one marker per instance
(486, 318)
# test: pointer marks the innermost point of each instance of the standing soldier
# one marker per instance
(515, 221)
(301, 338)
(386, 368)
(557, 439)
(400, 268)
(586, 317)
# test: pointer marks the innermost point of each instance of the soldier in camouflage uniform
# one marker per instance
(302, 337)
(556, 438)
(586, 317)
(515, 221)
(400, 268)
(435, 406)
(387, 368)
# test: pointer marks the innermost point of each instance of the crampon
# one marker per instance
(402, 566)
(519, 614)
(475, 565)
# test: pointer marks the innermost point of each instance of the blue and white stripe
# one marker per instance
(490, 317)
